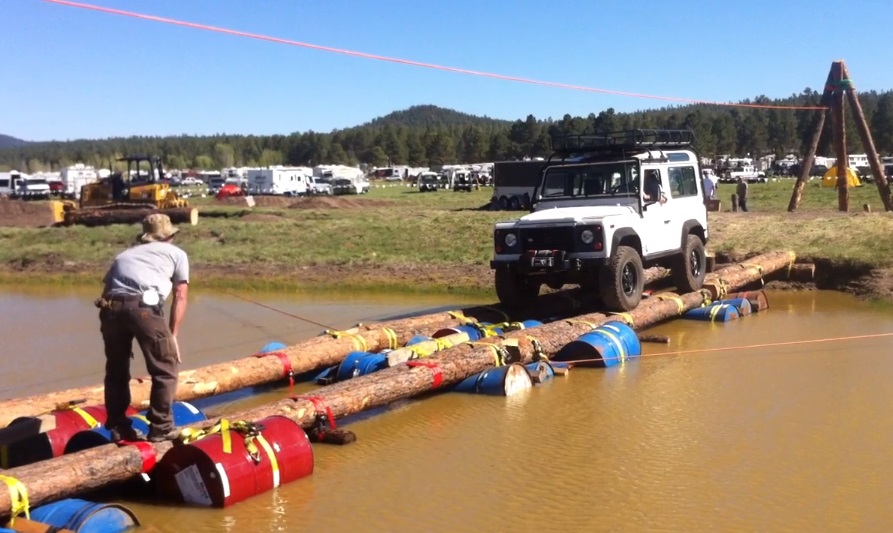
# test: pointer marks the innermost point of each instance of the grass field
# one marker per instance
(406, 240)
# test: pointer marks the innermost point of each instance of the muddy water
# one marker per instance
(752, 429)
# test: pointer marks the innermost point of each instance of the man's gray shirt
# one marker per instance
(154, 265)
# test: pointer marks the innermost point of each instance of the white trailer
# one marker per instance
(284, 181)
(75, 177)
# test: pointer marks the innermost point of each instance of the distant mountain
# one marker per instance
(11, 142)
(422, 116)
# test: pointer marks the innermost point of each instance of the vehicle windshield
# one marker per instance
(35, 181)
(341, 182)
(597, 180)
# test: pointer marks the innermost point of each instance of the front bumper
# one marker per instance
(548, 262)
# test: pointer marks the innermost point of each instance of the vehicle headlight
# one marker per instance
(510, 240)
(587, 236)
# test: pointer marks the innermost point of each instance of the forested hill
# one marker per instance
(10, 142)
(428, 135)
(431, 116)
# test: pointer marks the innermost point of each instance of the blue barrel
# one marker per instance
(86, 517)
(718, 312)
(542, 369)
(526, 324)
(418, 339)
(499, 381)
(607, 345)
(184, 414)
(361, 363)
(272, 347)
(743, 305)
(346, 368)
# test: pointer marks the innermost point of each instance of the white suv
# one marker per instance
(607, 207)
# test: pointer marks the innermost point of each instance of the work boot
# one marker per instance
(162, 435)
(125, 433)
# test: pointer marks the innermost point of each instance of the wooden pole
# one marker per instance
(838, 121)
(868, 143)
(107, 217)
(806, 164)
(79, 472)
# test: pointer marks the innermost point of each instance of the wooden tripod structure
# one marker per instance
(838, 89)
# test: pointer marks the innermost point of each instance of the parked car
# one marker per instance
(229, 189)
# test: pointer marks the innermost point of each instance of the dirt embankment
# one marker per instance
(313, 202)
(22, 214)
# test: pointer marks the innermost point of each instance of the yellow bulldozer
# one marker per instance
(141, 186)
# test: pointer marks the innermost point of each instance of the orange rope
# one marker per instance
(749, 346)
(410, 62)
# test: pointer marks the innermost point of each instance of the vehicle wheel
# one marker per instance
(514, 290)
(622, 280)
(514, 203)
(503, 203)
(689, 268)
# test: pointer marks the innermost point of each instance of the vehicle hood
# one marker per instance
(37, 186)
(575, 214)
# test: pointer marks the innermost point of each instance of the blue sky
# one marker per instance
(70, 73)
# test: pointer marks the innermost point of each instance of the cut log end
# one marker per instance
(658, 339)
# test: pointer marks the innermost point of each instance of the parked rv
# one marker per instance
(283, 181)
(75, 177)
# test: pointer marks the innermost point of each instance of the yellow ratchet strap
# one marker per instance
(674, 298)
(499, 353)
(359, 342)
(18, 498)
(392, 338)
(628, 318)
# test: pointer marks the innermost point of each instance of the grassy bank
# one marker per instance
(396, 239)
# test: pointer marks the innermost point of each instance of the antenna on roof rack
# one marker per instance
(623, 140)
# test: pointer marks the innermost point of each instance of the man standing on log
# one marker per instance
(132, 306)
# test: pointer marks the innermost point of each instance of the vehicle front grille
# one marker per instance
(547, 239)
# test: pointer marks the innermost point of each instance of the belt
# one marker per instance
(123, 297)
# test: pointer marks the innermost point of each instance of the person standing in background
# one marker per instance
(742, 194)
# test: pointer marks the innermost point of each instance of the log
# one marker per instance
(801, 272)
(838, 129)
(758, 300)
(108, 217)
(657, 339)
(806, 164)
(71, 474)
(313, 354)
(868, 143)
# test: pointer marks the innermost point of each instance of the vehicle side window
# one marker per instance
(4, 182)
(683, 182)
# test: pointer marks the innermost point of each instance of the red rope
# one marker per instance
(410, 62)
(147, 452)
(435, 368)
(286, 368)
(320, 405)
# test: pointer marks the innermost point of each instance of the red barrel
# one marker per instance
(51, 443)
(202, 473)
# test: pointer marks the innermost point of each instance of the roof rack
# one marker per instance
(623, 140)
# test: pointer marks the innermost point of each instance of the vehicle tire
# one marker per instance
(503, 203)
(622, 280)
(514, 203)
(514, 290)
(690, 267)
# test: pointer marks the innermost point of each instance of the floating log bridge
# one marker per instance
(91, 469)
(317, 353)
(135, 215)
